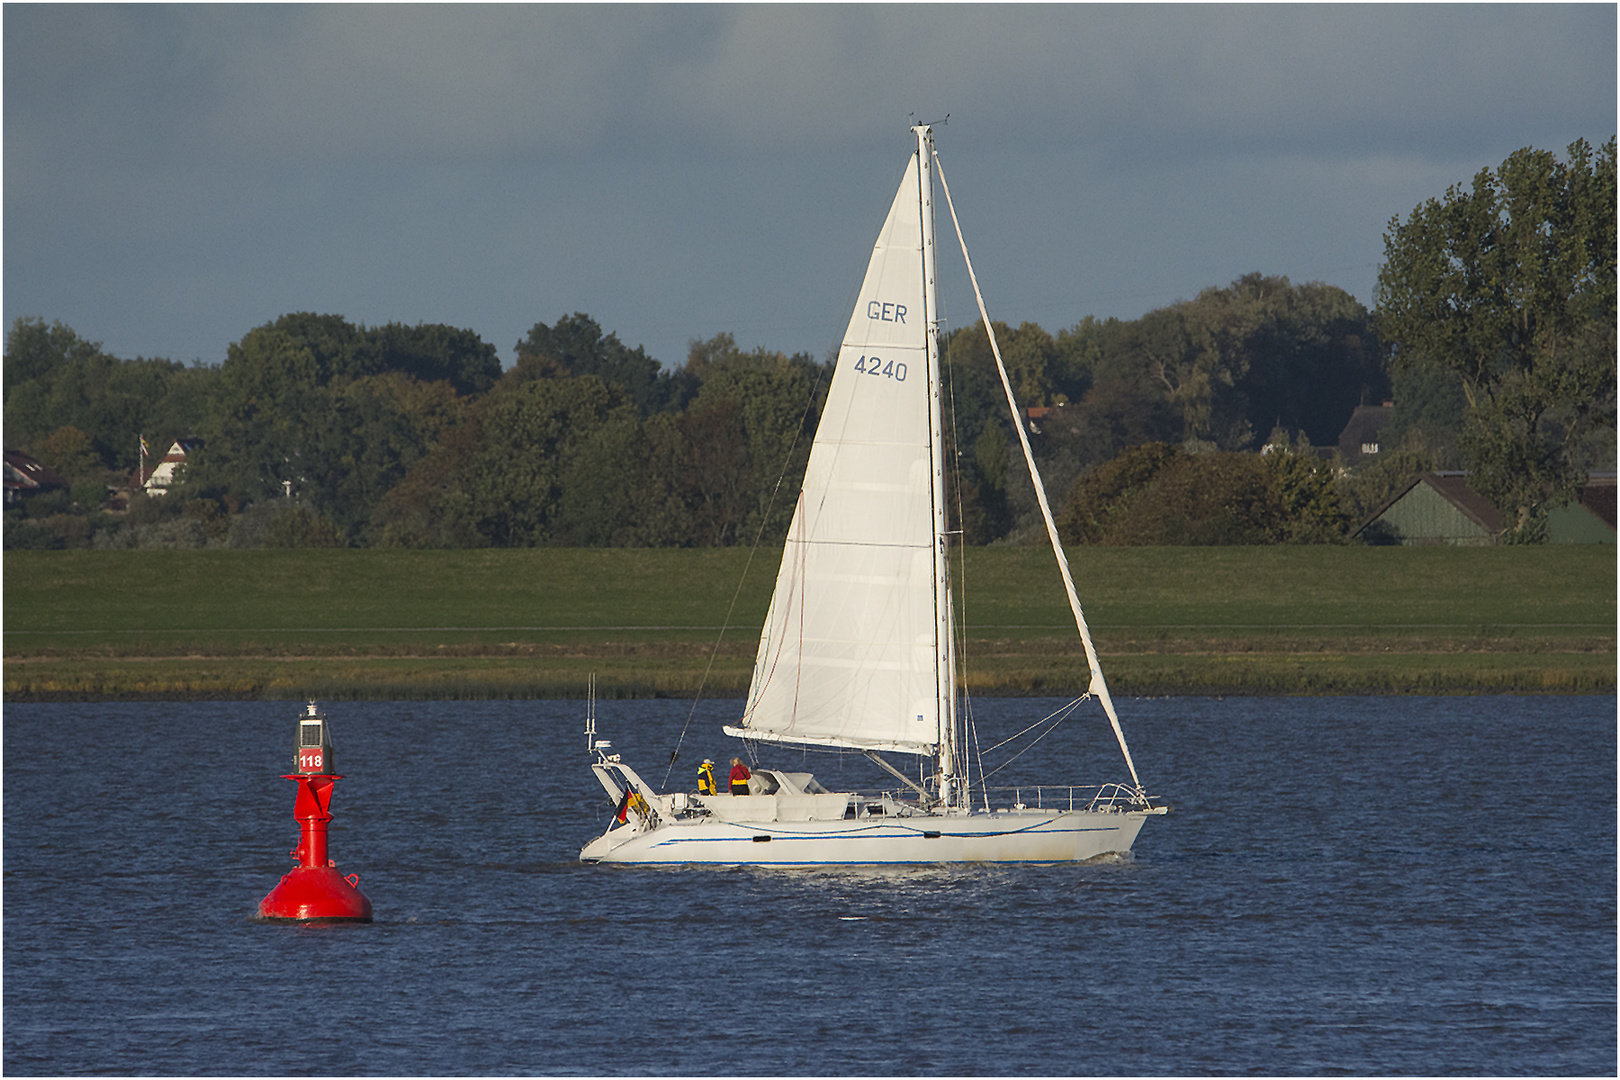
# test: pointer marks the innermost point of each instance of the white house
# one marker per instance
(170, 470)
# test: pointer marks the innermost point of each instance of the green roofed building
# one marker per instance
(1441, 509)
(1588, 521)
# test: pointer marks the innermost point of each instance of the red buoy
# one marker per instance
(314, 889)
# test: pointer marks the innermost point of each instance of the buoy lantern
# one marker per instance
(314, 889)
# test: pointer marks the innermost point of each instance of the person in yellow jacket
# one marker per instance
(706, 778)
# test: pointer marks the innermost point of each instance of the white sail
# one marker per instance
(849, 652)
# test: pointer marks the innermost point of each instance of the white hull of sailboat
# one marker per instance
(1000, 837)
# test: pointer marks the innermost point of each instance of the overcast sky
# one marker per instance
(176, 176)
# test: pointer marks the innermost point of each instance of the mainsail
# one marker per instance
(850, 651)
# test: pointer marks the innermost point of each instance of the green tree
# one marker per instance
(1310, 353)
(1510, 284)
(718, 474)
(273, 523)
(428, 353)
(1120, 405)
(68, 452)
(1309, 507)
(599, 487)
(273, 406)
(748, 435)
(298, 350)
(576, 346)
(1195, 354)
(365, 438)
(430, 506)
(1030, 355)
(1079, 351)
(1430, 409)
(1097, 497)
(535, 436)
(974, 397)
(1238, 360)
(1205, 499)
(55, 379)
(34, 350)
(664, 517)
(976, 423)
(1162, 494)
(340, 413)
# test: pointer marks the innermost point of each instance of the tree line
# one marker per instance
(1495, 333)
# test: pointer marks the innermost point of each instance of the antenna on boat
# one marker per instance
(590, 713)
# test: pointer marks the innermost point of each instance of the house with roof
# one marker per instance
(1589, 519)
(1439, 508)
(1359, 441)
(169, 471)
(26, 476)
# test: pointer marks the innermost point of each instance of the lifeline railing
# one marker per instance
(1072, 797)
(1095, 797)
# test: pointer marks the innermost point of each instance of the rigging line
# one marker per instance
(960, 629)
(984, 788)
(1060, 714)
(725, 624)
(1026, 749)
(1099, 685)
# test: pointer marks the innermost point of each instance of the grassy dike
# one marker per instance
(88, 625)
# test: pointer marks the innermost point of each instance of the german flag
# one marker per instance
(623, 811)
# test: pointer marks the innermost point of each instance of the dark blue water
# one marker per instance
(1378, 885)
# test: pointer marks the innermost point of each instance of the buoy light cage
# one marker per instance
(313, 753)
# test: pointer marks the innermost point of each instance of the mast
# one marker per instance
(945, 675)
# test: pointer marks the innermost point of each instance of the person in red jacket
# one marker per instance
(739, 777)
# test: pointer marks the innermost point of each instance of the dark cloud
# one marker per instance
(175, 175)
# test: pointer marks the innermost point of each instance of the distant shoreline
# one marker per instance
(540, 623)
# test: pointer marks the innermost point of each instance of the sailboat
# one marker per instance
(857, 652)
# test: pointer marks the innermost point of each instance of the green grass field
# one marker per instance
(539, 622)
